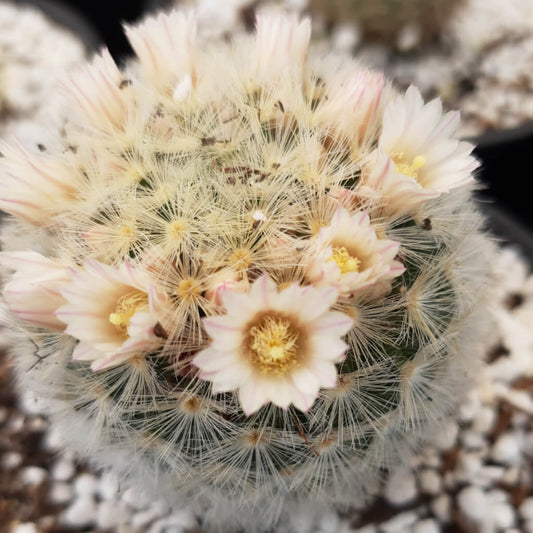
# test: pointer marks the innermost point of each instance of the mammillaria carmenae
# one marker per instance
(252, 276)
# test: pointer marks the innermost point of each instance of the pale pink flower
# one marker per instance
(353, 103)
(166, 48)
(98, 90)
(33, 292)
(281, 44)
(275, 346)
(425, 159)
(348, 254)
(34, 186)
(115, 313)
(222, 281)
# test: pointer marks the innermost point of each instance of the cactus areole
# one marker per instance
(243, 276)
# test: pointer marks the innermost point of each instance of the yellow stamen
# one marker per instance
(189, 288)
(273, 345)
(127, 306)
(126, 231)
(403, 167)
(344, 260)
(315, 226)
(240, 259)
(176, 229)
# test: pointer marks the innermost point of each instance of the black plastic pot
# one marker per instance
(506, 171)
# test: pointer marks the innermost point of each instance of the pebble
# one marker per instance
(484, 420)
(428, 525)
(143, 518)
(63, 469)
(487, 475)
(33, 475)
(53, 439)
(108, 486)
(179, 520)
(470, 407)
(506, 450)
(472, 440)
(81, 513)
(400, 523)
(400, 487)
(37, 424)
(26, 527)
(473, 503)
(430, 457)
(447, 436)
(441, 507)
(511, 476)
(60, 493)
(85, 485)
(430, 482)
(503, 515)
(109, 515)
(11, 460)
(134, 498)
(469, 464)
(526, 509)
(329, 522)
(496, 496)
(46, 523)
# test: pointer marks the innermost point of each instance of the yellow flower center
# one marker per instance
(176, 229)
(344, 260)
(406, 168)
(240, 258)
(127, 306)
(274, 345)
(189, 288)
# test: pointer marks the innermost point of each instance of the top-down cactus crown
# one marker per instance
(246, 274)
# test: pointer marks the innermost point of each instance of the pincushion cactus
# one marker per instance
(252, 276)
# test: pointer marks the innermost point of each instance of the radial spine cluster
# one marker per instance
(251, 275)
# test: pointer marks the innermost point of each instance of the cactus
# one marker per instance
(251, 277)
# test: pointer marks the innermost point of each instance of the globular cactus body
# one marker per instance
(250, 278)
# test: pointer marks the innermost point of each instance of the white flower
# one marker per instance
(425, 160)
(281, 45)
(99, 92)
(33, 292)
(166, 48)
(34, 186)
(274, 346)
(348, 254)
(116, 313)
